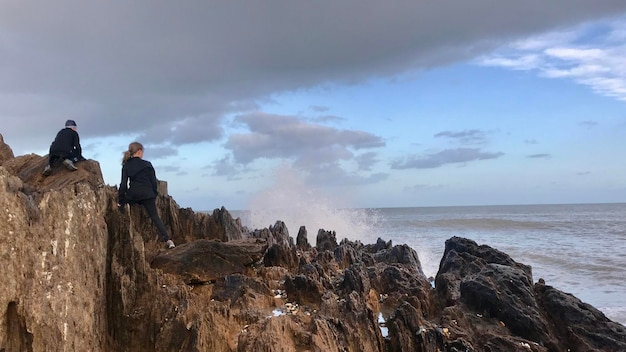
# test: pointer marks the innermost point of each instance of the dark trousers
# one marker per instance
(150, 206)
(53, 158)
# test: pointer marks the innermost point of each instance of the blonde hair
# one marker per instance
(133, 148)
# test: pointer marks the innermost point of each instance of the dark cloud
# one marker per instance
(328, 118)
(325, 154)
(287, 137)
(538, 156)
(444, 157)
(366, 160)
(153, 152)
(226, 167)
(465, 137)
(169, 72)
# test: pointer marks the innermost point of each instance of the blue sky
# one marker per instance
(365, 105)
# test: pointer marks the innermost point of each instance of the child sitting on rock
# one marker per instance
(65, 147)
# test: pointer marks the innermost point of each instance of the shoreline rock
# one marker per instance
(80, 275)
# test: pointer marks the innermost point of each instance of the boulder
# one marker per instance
(579, 326)
(204, 261)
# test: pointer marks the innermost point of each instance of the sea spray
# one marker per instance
(353, 224)
(296, 204)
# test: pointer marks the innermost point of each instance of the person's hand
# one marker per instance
(121, 207)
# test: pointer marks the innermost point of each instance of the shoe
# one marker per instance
(170, 244)
(69, 165)
(47, 171)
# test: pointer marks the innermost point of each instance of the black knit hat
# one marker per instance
(70, 123)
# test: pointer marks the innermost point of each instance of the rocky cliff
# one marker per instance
(81, 276)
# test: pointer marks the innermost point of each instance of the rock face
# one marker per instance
(79, 275)
(483, 292)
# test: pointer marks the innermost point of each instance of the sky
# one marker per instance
(364, 104)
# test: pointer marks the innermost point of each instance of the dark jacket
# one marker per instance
(66, 144)
(143, 181)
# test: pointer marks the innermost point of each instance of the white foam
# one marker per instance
(616, 314)
(297, 204)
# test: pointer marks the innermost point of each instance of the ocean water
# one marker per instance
(577, 248)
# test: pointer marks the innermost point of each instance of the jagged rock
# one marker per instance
(54, 259)
(80, 275)
(76, 268)
(402, 254)
(242, 291)
(302, 241)
(206, 260)
(282, 333)
(280, 255)
(305, 290)
(29, 167)
(326, 240)
(10, 183)
(281, 251)
(275, 235)
(504, 293)
(359, 324)
(280, 234)
(399, 280)
(346, 255)
(379, 246)
(355, 279)
(463, 257)
(228, 228)
(6, 153)
(579, 326)
(492, 304)
(409, 331)
(186, 225)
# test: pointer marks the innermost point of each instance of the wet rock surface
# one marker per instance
(81, 275)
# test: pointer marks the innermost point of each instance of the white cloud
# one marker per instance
(544, 41)
(568, 55)
(526, 62)
(444, 157)
(277, 136)
(326, 154)
(171, 72)
(465, 137)
(576, 54)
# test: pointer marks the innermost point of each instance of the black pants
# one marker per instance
(53, 158)
(150, 206)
